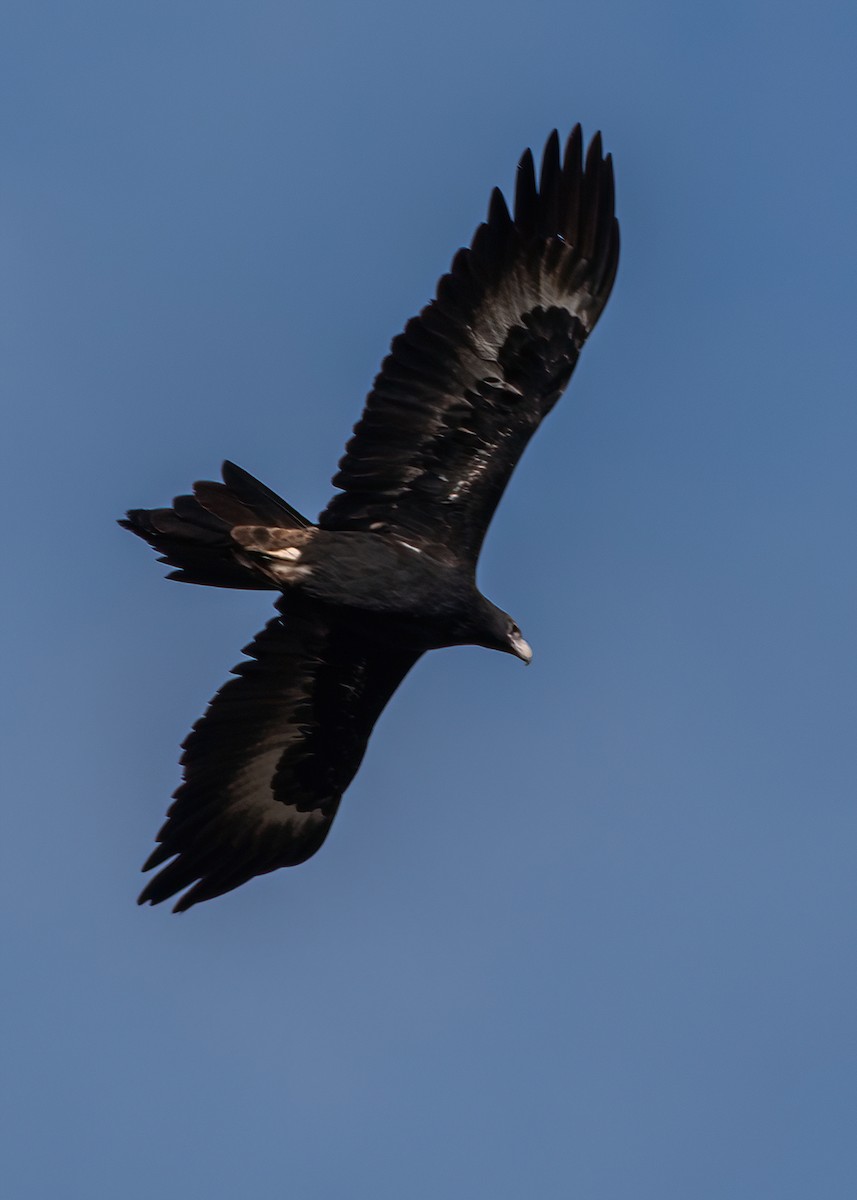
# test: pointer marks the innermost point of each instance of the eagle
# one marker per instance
(388, 571)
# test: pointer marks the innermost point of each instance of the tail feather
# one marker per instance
(268, 507)
(194, 536)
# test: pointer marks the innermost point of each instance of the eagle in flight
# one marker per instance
(389, 570)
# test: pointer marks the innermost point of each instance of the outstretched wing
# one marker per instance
(266, 766)
(468, 382)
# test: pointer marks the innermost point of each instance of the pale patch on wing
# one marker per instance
(267, 813)
(252, 783)
(252, 788)
(274, 542)
(478, 466)
(275, 552)
(288, 572)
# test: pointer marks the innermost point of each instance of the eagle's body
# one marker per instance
(389, 571)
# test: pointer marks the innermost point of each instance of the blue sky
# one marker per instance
(585, 929)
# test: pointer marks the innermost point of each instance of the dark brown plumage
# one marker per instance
(389, 571)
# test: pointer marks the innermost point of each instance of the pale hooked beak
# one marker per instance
(521, 649)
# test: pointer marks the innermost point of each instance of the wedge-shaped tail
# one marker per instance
(194, 536)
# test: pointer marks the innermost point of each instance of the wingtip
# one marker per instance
(158, 856)
(526, 195)
(595, 152)
(153, 895)
(179, 907)
(573, 147)
(498, 210)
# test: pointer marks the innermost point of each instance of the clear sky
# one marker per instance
(584, 929)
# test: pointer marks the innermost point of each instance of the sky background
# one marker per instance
(582, 930)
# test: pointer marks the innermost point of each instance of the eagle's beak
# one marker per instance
(521, 649)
